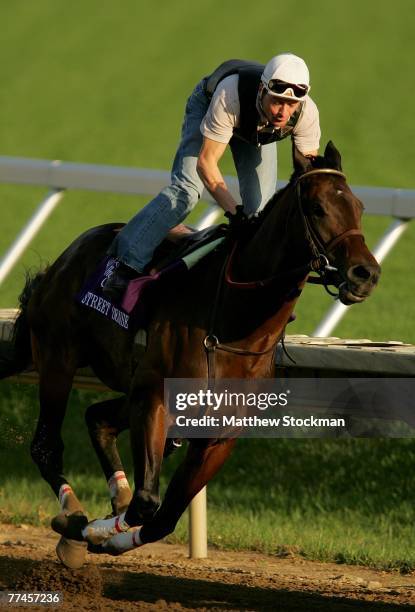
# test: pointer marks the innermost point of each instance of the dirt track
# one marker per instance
(161, 577)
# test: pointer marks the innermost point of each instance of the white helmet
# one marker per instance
(286, 76)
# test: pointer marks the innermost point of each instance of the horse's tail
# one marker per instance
(16, 355)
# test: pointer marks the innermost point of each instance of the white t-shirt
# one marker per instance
(224, 112)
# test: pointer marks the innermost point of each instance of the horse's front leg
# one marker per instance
(201, 463)
(148, 427)
(203, 460)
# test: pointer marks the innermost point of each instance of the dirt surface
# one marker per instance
(161, 577)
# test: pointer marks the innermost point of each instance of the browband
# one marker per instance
(321, 171)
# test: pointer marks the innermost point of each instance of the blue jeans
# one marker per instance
(257, 174)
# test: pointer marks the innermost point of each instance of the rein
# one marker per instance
(314, 265)
(319, 263)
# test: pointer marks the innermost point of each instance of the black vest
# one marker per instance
(249, 80)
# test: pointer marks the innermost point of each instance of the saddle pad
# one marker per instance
(120, 312)
(140, 292)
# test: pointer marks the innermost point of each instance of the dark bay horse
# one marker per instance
(313, 222)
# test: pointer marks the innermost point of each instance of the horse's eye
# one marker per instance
(316, 209)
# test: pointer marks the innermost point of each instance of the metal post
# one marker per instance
(27, 234)
(198, 505)
(384, 246)
(198, 526)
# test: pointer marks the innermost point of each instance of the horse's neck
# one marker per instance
(278, 244)
(259, 315)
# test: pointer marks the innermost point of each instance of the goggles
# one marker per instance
(280, 87)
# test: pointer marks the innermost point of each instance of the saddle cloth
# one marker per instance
(168, 259)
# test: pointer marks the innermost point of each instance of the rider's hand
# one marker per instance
(239, 223)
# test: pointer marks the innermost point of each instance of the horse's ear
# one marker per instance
(332, 156)
(301, 162)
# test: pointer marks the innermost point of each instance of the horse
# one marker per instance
(222, 319)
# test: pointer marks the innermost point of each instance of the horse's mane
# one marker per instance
(316, 162)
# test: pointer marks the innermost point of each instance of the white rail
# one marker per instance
(116, 179)
(25, 237)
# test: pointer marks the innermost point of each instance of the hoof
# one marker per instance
(71, 552)
(70, 525)
(96, 549)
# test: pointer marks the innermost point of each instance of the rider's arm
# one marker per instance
(217, 129)
(211, 176)
(307, 131)
(311, 153)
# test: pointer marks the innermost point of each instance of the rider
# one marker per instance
(247, 106)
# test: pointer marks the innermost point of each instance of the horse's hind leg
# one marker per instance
(47, 445)
(106, 420)
(56, 365)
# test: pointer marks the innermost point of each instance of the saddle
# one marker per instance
(171, 257)
(180, 246)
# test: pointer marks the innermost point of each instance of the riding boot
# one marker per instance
(117, 283)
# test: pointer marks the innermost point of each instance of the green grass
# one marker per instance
(98, 82)
(104, 82)
(348, 500)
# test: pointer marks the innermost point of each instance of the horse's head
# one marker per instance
(332, 216)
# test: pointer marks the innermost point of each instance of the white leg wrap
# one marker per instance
(122, 542)
(117, 481)
(64, 491)
(100, 530)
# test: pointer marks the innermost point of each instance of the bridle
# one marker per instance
(319, 263)
(318, 247)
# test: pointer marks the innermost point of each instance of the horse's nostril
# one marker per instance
(359, 273)
(363, 273)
